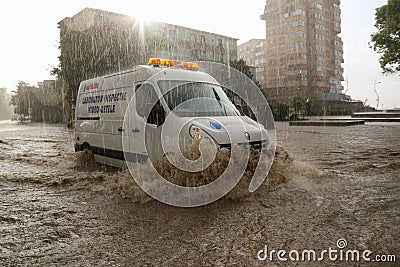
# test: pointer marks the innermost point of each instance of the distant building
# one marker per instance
(177, 42)
(303, 50)
(157, 39)
(253, 52)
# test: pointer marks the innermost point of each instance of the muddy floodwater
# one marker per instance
(56, 209)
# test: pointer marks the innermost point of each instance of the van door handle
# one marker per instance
(120, 129)
(135, 131)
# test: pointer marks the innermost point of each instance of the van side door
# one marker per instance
(146, 126)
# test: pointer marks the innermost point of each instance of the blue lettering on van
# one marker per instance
(101, 109)
(112, 97)
(107, 109)
(93, 109)
(92, 99)
(99, 99)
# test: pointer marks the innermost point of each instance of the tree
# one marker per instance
(311, 105)
(298, 103)
(280, 112)
(96, 51)
(40, 104)
(24, 99)
(5, 109)
(241, 66)
(386, 41)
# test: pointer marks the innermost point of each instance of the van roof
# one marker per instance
(145, 72)
(152, 70)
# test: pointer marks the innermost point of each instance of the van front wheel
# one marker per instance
(82, 147)
(85, 146)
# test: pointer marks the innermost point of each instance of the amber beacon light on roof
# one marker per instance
(173, 63)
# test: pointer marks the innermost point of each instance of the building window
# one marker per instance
(172, 35)
(202, 39)
(99, 20)
(260, 45)
(298, 34)
(320, 47)
(163, 32)
(318, 16)
(333, 81)
(318, 6)
(319, 37)
(319, 26)
(297, 12)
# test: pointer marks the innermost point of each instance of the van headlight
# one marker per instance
(197, 133)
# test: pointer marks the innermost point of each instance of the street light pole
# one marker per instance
(347, 86)
(377, 96)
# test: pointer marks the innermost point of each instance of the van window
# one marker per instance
(197, 99)
(146, 97)
(157, 114)
(148, 106)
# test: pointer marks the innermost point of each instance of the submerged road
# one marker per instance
(343, 185)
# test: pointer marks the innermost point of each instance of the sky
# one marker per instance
(29, 36)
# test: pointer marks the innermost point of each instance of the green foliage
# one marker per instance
(311, 106)
(241, 66)
(96, 51)
(298, 103)
(23, 98)
(38, 104)
(386, 41)
(280, 112)
(5, 109)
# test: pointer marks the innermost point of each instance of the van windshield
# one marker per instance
(196, 99)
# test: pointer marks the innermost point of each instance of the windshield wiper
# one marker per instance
(219, 100)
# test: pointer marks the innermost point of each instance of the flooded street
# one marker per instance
(344, 183)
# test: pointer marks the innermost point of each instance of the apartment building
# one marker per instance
(253, 52)
(156, 39)
(304, 51)
(177, 42)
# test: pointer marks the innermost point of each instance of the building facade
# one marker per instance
(95, 42)
(158, 39)
(304, 52)
(253, 52)
(176, 42)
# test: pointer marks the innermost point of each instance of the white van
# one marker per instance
(187, 104)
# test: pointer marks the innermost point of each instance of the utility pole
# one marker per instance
(377, 96)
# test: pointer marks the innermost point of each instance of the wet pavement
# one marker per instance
(344, 183)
